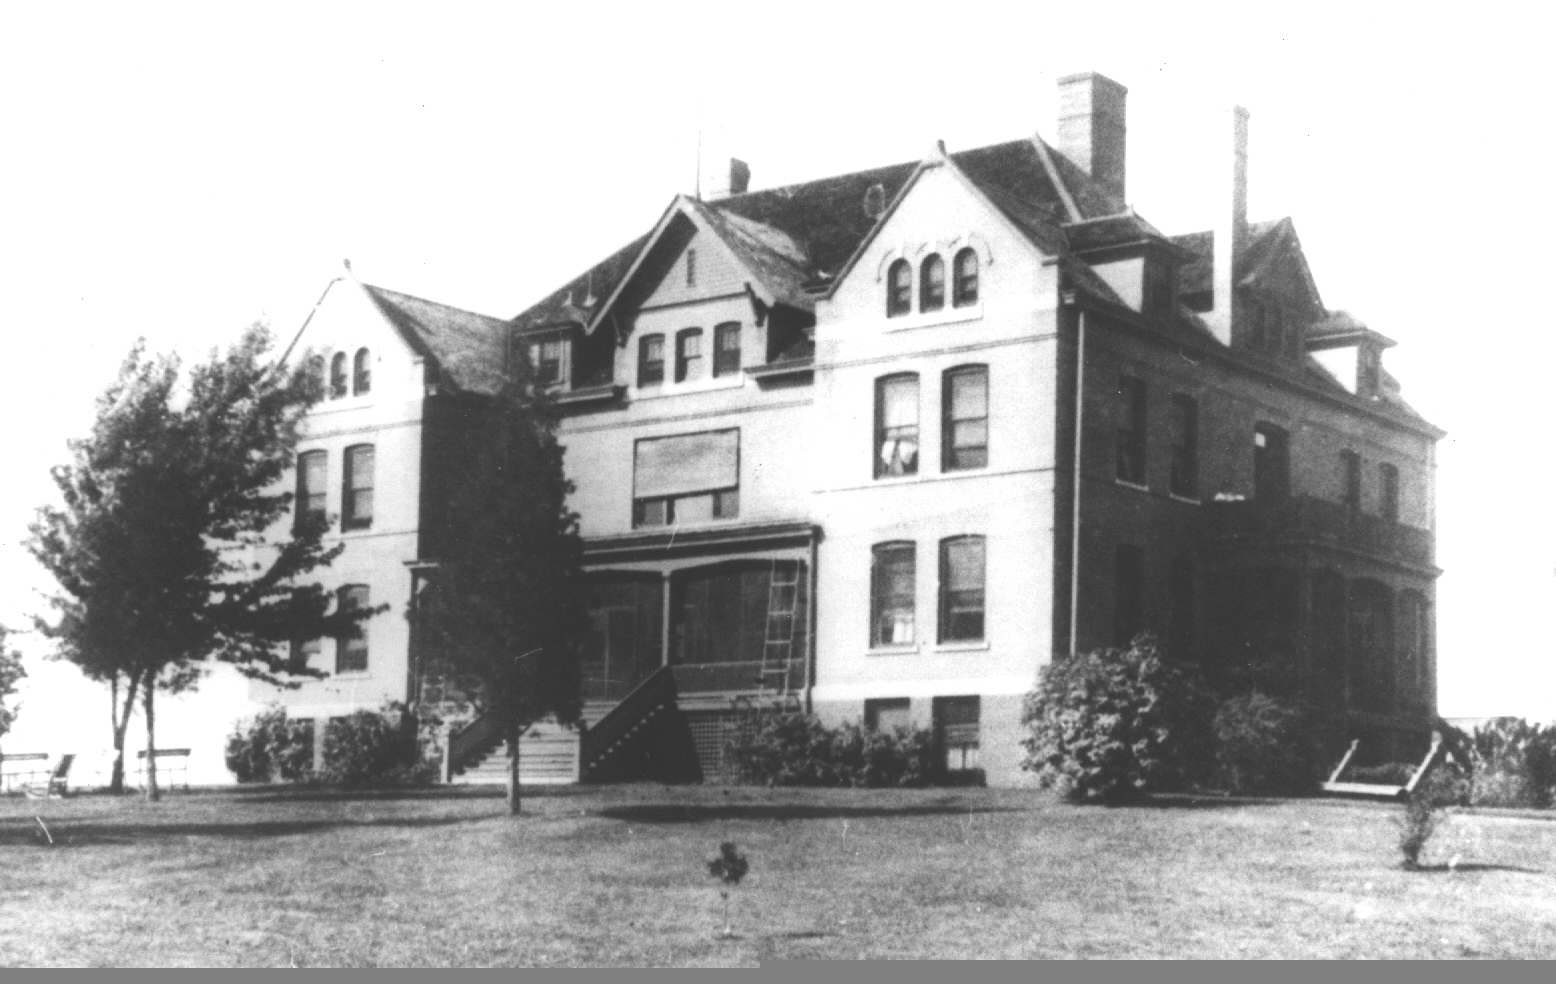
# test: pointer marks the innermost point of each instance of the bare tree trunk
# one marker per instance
(121, 726)
(513, 769)
(152, 792)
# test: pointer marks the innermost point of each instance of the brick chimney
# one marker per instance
(732, 181)
(1091, 127)
(1230, 229)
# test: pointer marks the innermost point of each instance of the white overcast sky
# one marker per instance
(177, 172)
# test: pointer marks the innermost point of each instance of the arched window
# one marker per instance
(318, 377)
(899, 289)
(932, 284)
(338, 376)
(964, 285)
(361, 373)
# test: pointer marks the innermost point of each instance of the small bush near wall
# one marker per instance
(1264, 747)
(271, 747)
(374, 748)
(1515, 764)
(798, 750)
(1117, 724)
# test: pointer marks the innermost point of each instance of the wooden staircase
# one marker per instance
(548, 755)
(611, 737)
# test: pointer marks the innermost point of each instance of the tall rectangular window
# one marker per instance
(1181, 627)
(312, 475)
(651, 360)
(956, 729)
(896, 425)
(351, 654)
(726, 350)
(1271, 464)
(961, 589)
(688, 478)
(1128, 593)
(357, 490)
(1388, 489)
(965, 430)
(1350, 480)
(1131, 430)
(1184, 480)
(688, 355)
(691, 268)
(892, 594)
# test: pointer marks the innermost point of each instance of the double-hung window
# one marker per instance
(1388, 489)
(651, 360)
(961, 589)
(1351, 481)
(548, 359)
(351, 652)
(688, 478)
(965, 429)
(1271, 463)
(1131, 430)
(357, 489)
(892, 589)
(688, 355)
(312, 474)
(896, 425)
(362, 373)
(726, 350)
(1184, 481)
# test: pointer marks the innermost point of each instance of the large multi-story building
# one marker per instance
(885, 444)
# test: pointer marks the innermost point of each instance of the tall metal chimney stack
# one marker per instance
(1230, 230)
(1091, 127)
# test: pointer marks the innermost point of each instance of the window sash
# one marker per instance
(962, 568)
(312, 479)
(651, 360)
(688, 362)
(351, 654)
(965, 281)
(338, 376)
(892, 595)
(362, 373)
(896, 438)
(1131, 430)
(357, 500)
(1184, 480)
(967, 419)
(899, 289)
(726, 350)
(1389, 487)
(932, 284)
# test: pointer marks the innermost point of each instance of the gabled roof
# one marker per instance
(467, 348)
(1268, 245)
(797, 238)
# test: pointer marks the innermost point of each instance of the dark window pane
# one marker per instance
(1131, 430)
(357, 493)
(311, 479)
(726, 350)
(932, 284)
(899, 289)
(688, 357)
(1388, 477)
(1128, 593)
(1185, 447)
(338, 376)
(351, 654)
(965, 287)
(1271, 464)
(1350, 478)
(362, 373)
(651, 360)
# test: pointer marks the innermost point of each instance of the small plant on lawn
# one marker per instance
(729, 867)
(1424, 809)
(1116, 724)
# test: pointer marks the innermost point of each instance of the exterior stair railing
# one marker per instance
(611, 731)
(469, 743)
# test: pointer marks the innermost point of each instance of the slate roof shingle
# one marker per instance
(466, 346)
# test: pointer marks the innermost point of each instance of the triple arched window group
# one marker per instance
(353, 378)
(932, 283)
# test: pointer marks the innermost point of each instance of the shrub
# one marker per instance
(271, 746)
(798, 750)
(372, 748)
(1384, 774)
(1515, 763)
(1116, 724)
(1417, 823)
(1263, 746)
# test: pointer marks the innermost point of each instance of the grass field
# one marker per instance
(615, 876)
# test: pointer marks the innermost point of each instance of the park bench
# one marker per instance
(178, 765)
(12, 780)
(1334, 787)
(56, 784)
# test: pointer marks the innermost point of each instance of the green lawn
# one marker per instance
(615, 876)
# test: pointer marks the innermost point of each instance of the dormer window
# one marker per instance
(726, 349)
(338, 376)
(362, 373)
(899, 289)
(965, 282)
(548, 359)
(932, 284)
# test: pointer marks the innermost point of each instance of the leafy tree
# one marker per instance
(166, 550)
(11, 674)
(502, 617)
